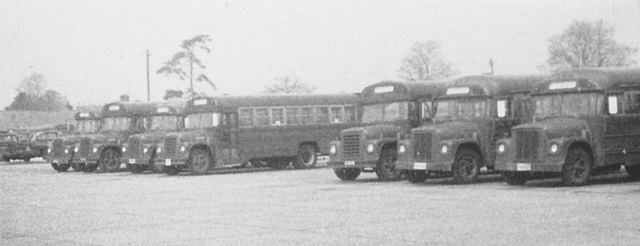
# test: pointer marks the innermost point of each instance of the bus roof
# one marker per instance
(395, 91)
(88, 113)
(491, 85)
(174, 106)
(128, 109)
(232, 102)
(584, 79)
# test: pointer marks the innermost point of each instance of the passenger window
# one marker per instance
(614, 104)
(322, 115)
(336, 114)
(632, 103)
(261, 117)
(293, 116)
(503, 109)
(426, 110)
(246, 117)
(306, 115)
(277, 116)
(350, 114)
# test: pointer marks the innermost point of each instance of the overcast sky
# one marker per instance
(94, 51)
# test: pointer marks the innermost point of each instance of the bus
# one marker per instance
(119, 121)
(471, 114)
(390, 109)
(271, 130)
(62, 150)
(586, 121)
(139, 151)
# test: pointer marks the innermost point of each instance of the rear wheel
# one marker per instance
(515, 178)
(466, 166)
(633, 171)
(385, 169)
(172, 170)
(307, 157)
(347, 174)
(109, 160)
(60, 167)
(416, 177)
(577, 167)
(199, 161)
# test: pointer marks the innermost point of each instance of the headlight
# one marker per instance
(183, 148)
(501, 148)
(401, 149)
(145, 150)
(158, 150)
(76, 149)
(444, 149)
(370, 148)
(124, 149)
(66, 151)
(553, 149)
(95, 149)
(333, 149)
(48, 150)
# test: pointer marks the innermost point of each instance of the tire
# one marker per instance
(577, 167)
(88, 168)
(633, 171)
(307, 157)
(385, 169)
(515, 178)
(466, 166)
(199, 161)
(60, 167)
(172, 170)
(109, 160)
(347, 174)
(416, 177)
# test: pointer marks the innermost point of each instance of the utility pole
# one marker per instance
(148, 83)
(491, 64)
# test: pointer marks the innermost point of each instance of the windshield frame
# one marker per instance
(108, 126)
(215, 121)
(595, 105)
(162, 124)
(377, 112)
(477, 101)
(95, 127)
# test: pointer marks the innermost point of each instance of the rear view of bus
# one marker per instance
(389, 111)
(586, 122)
(62, 151)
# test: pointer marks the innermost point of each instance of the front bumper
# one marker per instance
(424, 166)
(352, 164)
(529, 167)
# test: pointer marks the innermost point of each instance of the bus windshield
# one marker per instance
(465, 108)
(574, 104)
(385, 112)
(202, 121)
(87, 126)
(116, 124)
(165, 122)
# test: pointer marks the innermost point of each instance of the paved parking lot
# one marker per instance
(39, 206)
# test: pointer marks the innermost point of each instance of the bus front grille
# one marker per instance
(527, 145)
(350, 146)
(170, 145)
(85, 147)
(422, 146)
(134, 146)
(57, 148)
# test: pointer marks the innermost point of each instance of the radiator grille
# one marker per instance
(351, 145)
(527, 144)
(422, 146)
(134, 146)
(85, 147)
(170, 145)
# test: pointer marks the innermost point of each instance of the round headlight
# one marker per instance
(95, 150)
(124, 149)
(444, 149)
(158, 150)
(66, 151)
(76, 149)
(332, 149)
(183, 148)
(401, 149)
(370, 148)
(501, 148)
(48, 150)
(553, 149)
(145, 150)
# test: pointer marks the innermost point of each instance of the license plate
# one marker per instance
(368, 168)
(132, 161)
(420, 166)
(349, 163)
(167, 162)
(523, 166)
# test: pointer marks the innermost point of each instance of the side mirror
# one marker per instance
(502, 108)
(613, 104)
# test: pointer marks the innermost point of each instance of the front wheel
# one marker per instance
(307, 157)
(109, 160)
(466, 166)
(385, 169)
(416, 177)
(633, 171)
(515, 178)
(199, 161)
(347, 174)
(172, 170)
(577, 167)
(60, 167)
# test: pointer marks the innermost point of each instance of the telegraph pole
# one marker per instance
(148, 84)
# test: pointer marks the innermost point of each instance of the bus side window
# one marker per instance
(293, 116)
(277, 116)
(322, 114)
(503, 108)
(306, 115)
(336, 114)
(632, 103)
(350, 114)
(246, 117)
(614, 104)
(261, 117)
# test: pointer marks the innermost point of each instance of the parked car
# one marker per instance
(24, 146)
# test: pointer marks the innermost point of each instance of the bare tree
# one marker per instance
(425, 62)
(286, 85)
(586, 44)
(33, 85)
(185, 62)
(34, 95)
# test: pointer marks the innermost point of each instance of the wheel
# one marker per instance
(60, 167)
(172, 170)
(385, 169)
(515, 178)
(90, 167)
(577, 167)
(136, 168)
(347, 174)
(466, 166)
(199, 161)
(109, 160)
(633, 171)
(416, 177)
(307, 157)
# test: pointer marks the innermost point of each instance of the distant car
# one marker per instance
(24, 146)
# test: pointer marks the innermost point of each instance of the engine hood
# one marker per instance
(150, 137)
(557, 127)
(378, 131)
(189, 136)
(452, 129)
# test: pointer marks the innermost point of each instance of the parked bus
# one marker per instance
(139, 151)
(585, 121)
(62, 150)
(120, 120)
(389, 110)
(471, 114)
(231, 131)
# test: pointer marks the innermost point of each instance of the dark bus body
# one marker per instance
(471, 114)
(585, 121)
(63, 149)
(272, 130)
(389, 110)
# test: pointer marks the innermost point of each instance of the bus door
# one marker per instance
(622, 130)
(228, 141)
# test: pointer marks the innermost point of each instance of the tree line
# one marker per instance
(581, 44)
